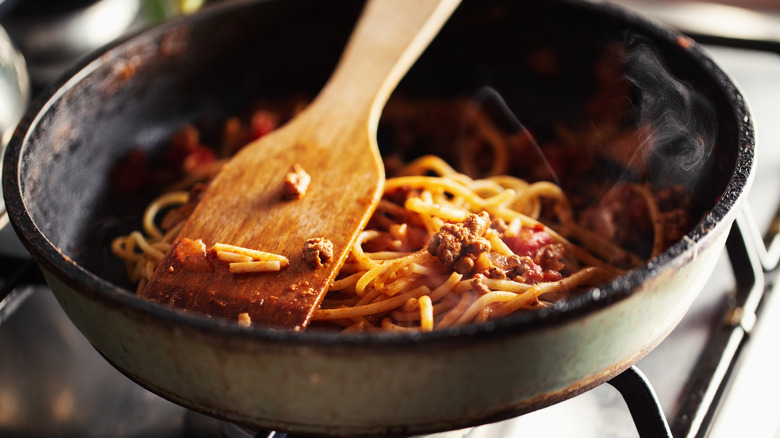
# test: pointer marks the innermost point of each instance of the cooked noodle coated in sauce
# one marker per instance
(442, 248)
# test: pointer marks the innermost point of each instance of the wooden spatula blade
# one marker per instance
(255, 214)
(334, 141)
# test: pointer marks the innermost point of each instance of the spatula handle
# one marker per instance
(390, 36)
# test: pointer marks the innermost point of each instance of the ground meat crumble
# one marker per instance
(317, 251)
(295, 183)
(463, 248)
(459, 245)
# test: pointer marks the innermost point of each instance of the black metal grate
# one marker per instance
(751, 257)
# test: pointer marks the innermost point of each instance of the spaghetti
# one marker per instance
(442, 249)
(406, 272)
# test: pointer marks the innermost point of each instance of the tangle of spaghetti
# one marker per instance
(442, 248)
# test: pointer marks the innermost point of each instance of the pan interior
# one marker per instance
(538, 65)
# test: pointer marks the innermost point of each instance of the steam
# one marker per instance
(489, 96)
(681, 122)
(668, 134)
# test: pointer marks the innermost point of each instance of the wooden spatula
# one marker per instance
(334, 142)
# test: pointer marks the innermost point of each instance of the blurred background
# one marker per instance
(53, 34)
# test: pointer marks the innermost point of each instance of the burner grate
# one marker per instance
(710, 376)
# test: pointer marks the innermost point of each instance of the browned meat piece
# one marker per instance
(193, 256)
(549, 257)
(458, 245)
(499, 225)
(507, 267)
(317, 251)
(296, 183)
(478, 283)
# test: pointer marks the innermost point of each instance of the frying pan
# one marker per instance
(137, 92)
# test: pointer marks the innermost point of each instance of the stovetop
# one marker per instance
(54, 384)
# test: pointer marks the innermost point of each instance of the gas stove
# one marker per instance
(710, 377)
